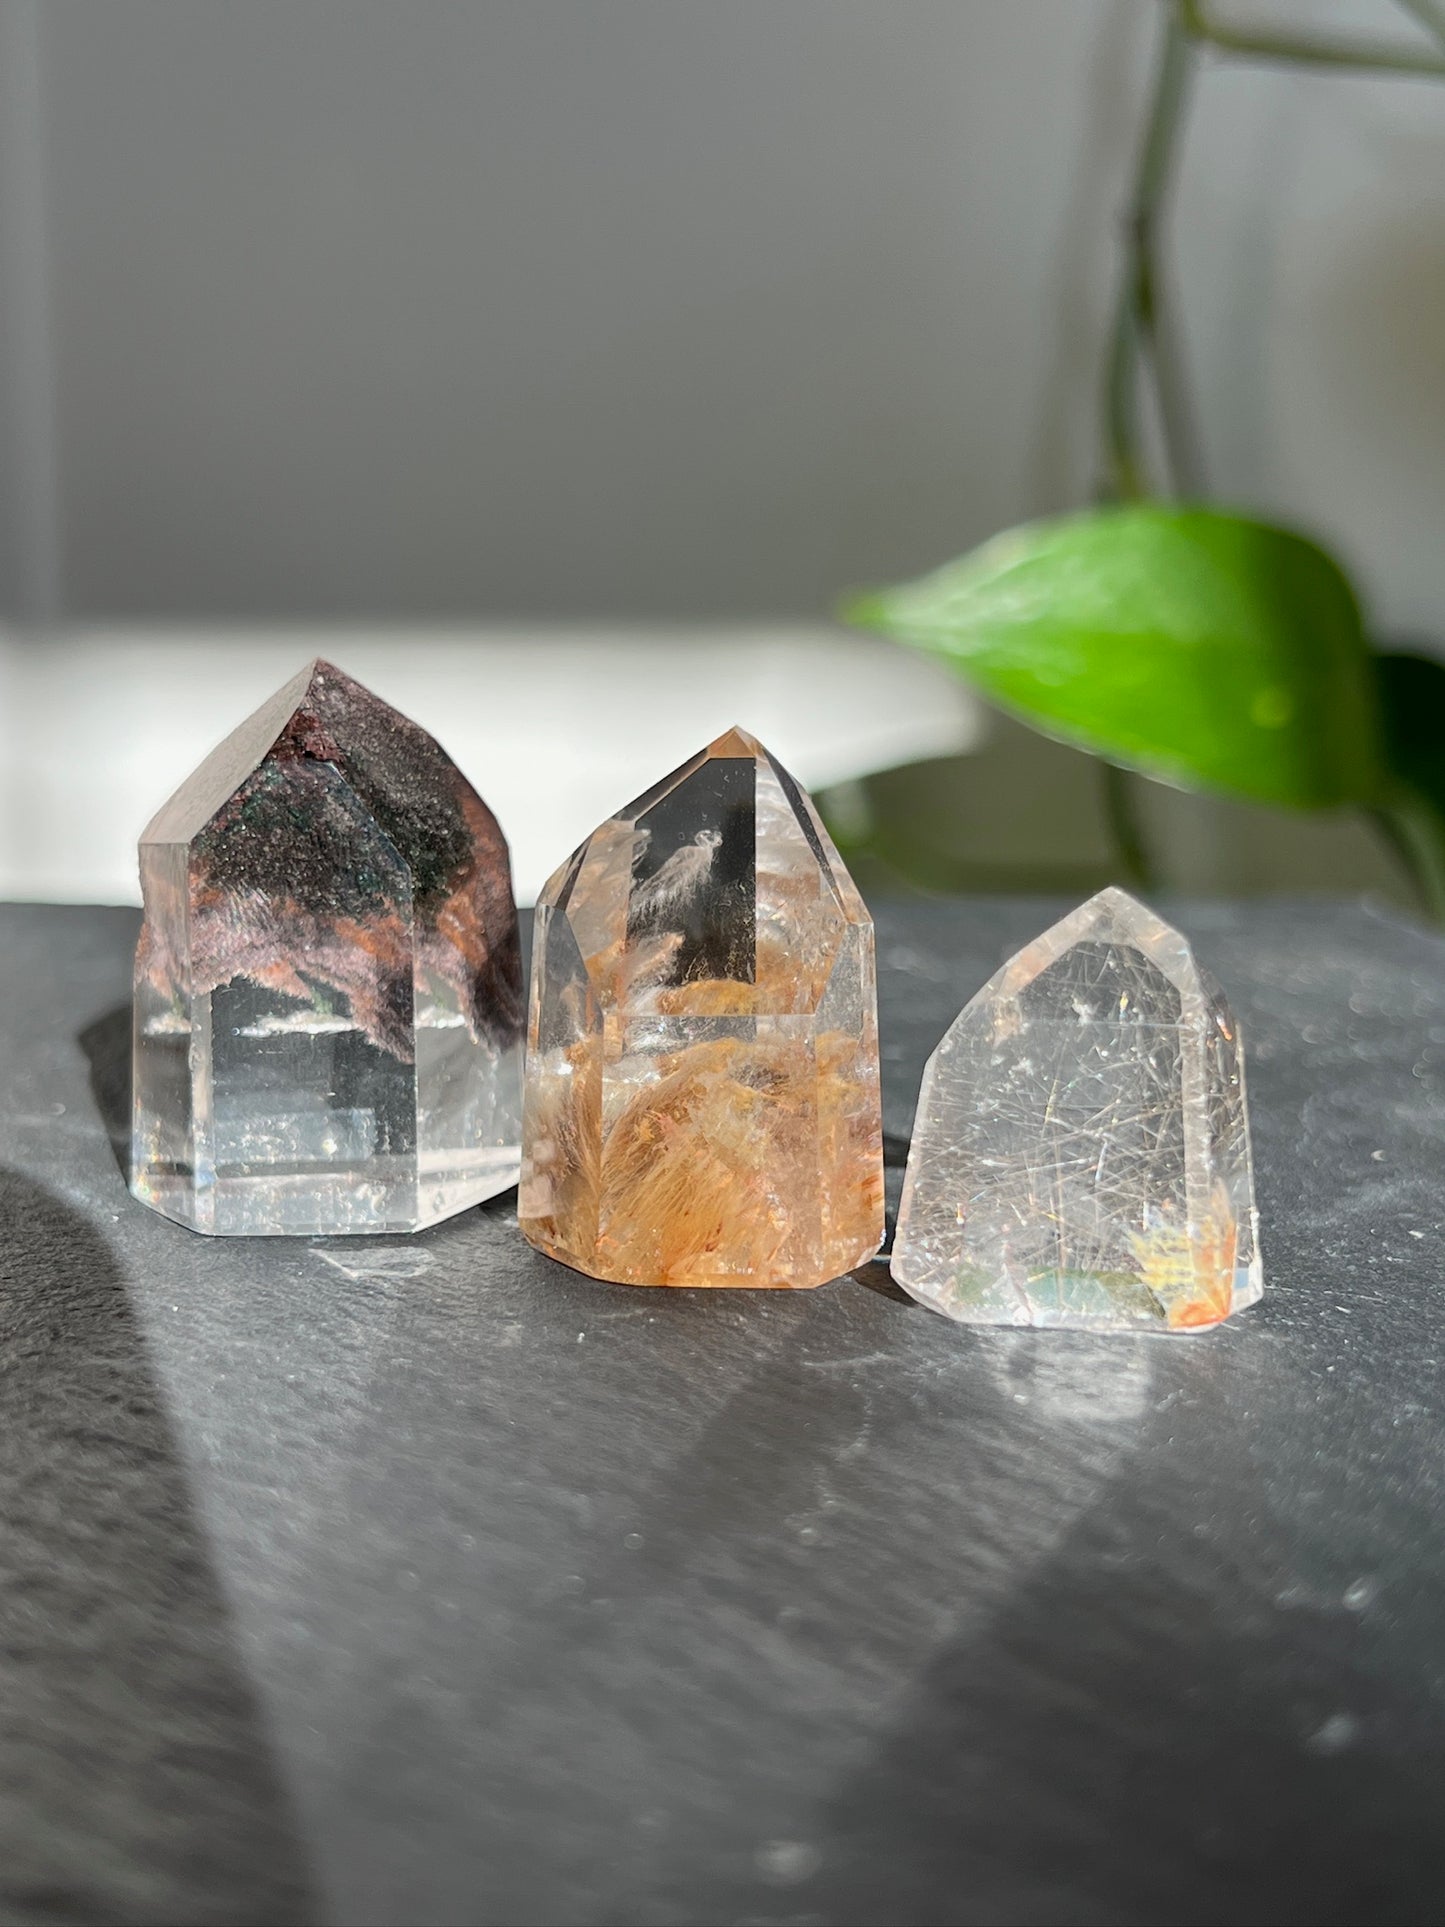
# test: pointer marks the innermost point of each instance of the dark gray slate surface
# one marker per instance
(428, 1581)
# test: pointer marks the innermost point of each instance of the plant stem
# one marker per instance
(1121, 810)
(1141, 323)
(1306, 51)
(1430, 15)
(1414, 831)
(1140, 317)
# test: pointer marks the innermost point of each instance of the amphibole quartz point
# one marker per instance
(328, 984)
(702, 1096)
(1081, 1152)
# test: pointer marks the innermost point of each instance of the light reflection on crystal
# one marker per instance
(328, 980)
(1081, 1151)
(702, 1099)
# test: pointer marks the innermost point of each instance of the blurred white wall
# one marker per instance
(598, 308)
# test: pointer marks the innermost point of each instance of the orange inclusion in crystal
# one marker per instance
(707, 1175)
(1192, 1277)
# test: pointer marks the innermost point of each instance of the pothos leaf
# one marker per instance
(1210, 650)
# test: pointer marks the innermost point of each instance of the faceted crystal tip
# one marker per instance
(702, 1081)
(1081, 1154)
(735, 742)
(328, 982)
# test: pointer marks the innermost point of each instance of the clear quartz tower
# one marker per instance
(1081, 1152)
(328, 996)
(702, 1101)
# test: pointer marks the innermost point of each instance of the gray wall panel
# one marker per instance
(559, 306)
(409, 308)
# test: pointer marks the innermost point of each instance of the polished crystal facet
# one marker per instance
(1081, 1151)
(702, 1073)
(328, 1004)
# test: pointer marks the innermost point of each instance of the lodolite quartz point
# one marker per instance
(328, 990)
(1081, 1152)
(702, 1099)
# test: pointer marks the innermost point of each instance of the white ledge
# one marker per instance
(556, 727)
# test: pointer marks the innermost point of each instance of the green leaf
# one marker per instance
(1412, 699)
(1412, 703)
(1206, 649)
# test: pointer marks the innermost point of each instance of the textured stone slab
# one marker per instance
(427, 1579)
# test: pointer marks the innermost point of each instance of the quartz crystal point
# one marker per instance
(702, 1099)
(1081, 1152)
(328, 1005)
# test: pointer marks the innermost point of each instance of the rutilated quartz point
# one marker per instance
(1081, 1152)
(328, 991)
(702, 1101)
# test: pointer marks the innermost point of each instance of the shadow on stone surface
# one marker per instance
(106, 1044)
(875, 1276)
(1155, 1740)
(1210, 1787)
(135, 1781)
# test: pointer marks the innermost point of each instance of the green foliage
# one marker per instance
(1412, 696)
(1204, 648)
(1196, 646)
(1412, 701)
